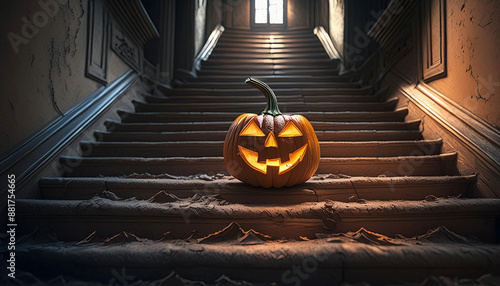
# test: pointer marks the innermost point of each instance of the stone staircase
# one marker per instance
(152, 196)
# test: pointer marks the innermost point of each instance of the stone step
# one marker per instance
(317, 55)
(215, 148)
(278, 78)
(164, 117)
(251, 34)
(268, 72)
(266, 50)
(274, 85)
(359, 135)
(267, 59)
(319, 188)
(269, 45)
(266, 40)
(115, 126)
(179, 262)
(285, 107)
(246, 68)
(428, 165)
(266, 63)
(221, 99)
(73, 220)
(245, 90)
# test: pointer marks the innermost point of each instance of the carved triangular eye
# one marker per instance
(290, 130)
(252, 130)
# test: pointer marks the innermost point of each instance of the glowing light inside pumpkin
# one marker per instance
(271, 140)
(290, 130)
(252, 130)
(252, 159)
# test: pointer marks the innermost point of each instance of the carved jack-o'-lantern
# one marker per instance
(271, 149)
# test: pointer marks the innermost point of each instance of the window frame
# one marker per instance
(267, 26)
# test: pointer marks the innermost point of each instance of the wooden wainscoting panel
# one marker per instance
(97, 41)
(433, 39)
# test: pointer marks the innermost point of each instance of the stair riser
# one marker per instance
(77, 227)
(260, 72)
(263, 61)
(224, 126)
(285, 50)
(397, 116)
(81, 167)
(269, 79)
(248, 68)
(252, 41)
(315, 55)
(214, 149)
(227, 99)
(233, 191)
(283, 91)
(284, 107)
(276, 85)
(220, 136)
(269, 45)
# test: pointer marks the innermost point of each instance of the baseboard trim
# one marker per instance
(477, 135)
(28, 158)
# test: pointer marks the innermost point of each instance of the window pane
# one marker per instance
(260, 16)
(260, 4)
(276, 12)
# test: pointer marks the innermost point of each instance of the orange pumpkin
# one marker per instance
(271, 149)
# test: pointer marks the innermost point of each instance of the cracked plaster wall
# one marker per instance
(46, 76)
(473, 43)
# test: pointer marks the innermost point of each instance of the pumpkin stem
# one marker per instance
(272, 102)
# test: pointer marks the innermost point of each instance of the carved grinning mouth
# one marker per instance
(252, 159)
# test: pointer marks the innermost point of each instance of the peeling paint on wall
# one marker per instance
(473, 39)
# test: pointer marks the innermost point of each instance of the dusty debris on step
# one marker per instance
(441, 235)
(166, 236)
(163, 197)
(208, 199)
(234, 232)
(109, 195)
(191, 236)
(431, 198)
(382, 176)
(122, 237)
(204, 177)
(92, 238)
(329, 176)
(364, 236)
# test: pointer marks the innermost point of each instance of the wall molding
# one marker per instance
(30, 157)
(476, 134)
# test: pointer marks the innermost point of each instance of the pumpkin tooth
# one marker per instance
(252, 159)
(295, 158)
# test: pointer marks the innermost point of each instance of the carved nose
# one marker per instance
(271, 140)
